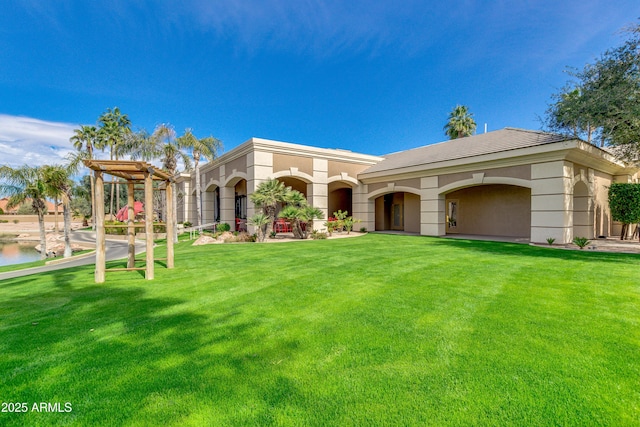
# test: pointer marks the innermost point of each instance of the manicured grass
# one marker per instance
(374, 330)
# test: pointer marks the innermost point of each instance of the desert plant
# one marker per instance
(318, 235)
(260, 221)
(581, 242)
(349, 222)
(331, 226)
(550, 240)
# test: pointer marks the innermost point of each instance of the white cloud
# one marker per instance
(34, 142)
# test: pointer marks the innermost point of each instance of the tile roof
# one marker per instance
(492, 142)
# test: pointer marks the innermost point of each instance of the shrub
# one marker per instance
(581, 242)
(363, 229)
(187, 224)
(4, 221)
(223, 227)
(15, 221)
(550, 240)
(318, 235)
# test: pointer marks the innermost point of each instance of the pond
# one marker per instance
(12, 252)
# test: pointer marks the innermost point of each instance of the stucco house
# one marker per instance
(511, 182)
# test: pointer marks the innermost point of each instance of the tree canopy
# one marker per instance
(460, 123)
(601, 104)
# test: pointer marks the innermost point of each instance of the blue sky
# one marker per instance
(368, 76)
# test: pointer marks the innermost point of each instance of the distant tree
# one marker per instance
(84, 141)
(199, 148)
(460, 123)
(58, 183)
(114, 132)
(602, 102)
(27, 183)
(163, 145)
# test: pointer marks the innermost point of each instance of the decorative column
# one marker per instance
(318, 190)
(552, 202)
(432, 208)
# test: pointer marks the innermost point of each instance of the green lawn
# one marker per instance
(374, 330)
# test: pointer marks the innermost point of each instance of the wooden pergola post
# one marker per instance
(100, 241)
(170, 220)
(148, 225)
(131, 230)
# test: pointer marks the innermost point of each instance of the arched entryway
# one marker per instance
(340, 197)
(398, 211)
(211, 204)
(582, 211)
(489, 210)
(295, 183)
(240, 192)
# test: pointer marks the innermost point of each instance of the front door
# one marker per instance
(397, 216)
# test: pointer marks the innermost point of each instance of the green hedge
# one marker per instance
(121, 231)
(624, 202)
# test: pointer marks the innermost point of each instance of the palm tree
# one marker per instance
(84, 141)
(58, 184)
(27, 183)
(298, 211)
(206, 147)
(164, 145)
(266, 197)
(114, 132)
(460, 123)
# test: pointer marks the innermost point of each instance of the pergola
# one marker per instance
(132, 172)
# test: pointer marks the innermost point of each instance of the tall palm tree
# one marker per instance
(206, 147)
(113, 133)
(84, 141)
(460, 123)
(27, 183)
(163, 144)
(266, 197)
(58, 185)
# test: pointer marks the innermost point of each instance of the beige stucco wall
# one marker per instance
(239, 165)
(411, 213)
(282, 162)
(497, 210)
(519, 172)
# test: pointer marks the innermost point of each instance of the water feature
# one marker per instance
(12, 252)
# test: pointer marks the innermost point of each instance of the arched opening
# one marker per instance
(211, 204)
(294, 183)
(489, 210)
(398, 211)
(240, 190)
(582, 211)
(340, 197)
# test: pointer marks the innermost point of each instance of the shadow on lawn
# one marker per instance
(519, 249)
(119, 354)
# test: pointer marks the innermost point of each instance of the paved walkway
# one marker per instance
(116, 249)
